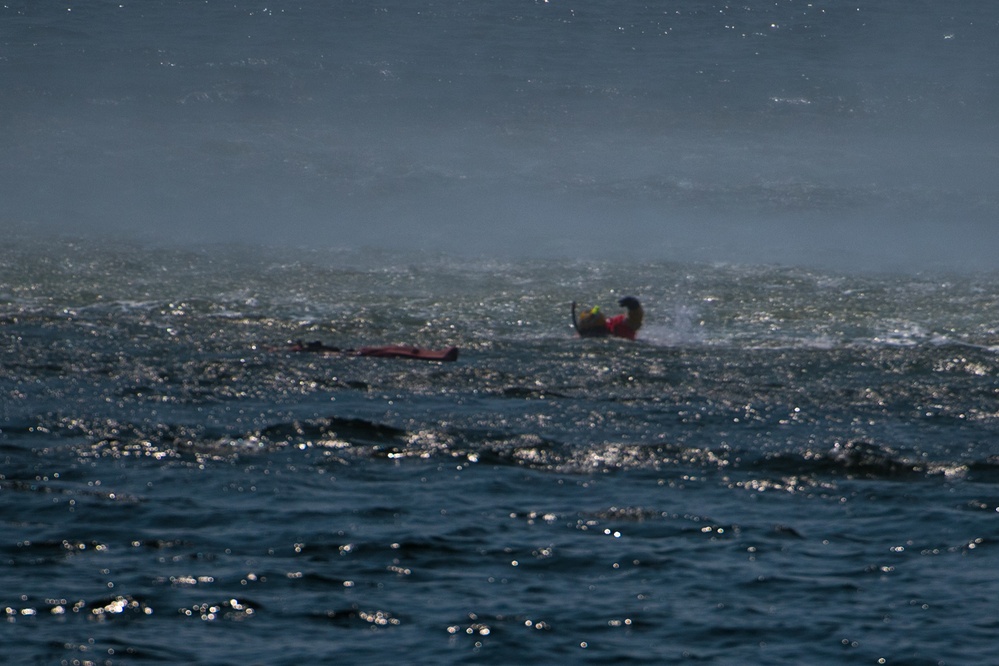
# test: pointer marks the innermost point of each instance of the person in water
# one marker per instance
(592, 323)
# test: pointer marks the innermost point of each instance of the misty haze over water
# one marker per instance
(858, 135)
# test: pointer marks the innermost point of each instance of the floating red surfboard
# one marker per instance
(398, 351)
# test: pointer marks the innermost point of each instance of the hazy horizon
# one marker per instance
(819, 135)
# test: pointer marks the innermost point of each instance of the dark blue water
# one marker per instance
(790, 466)
(796, 462)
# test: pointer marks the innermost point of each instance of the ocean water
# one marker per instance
(797, 462)
(790, 466)
(858, 136)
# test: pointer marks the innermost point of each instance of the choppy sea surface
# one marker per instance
(790, 466)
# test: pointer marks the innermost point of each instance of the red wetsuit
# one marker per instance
(618, 327)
